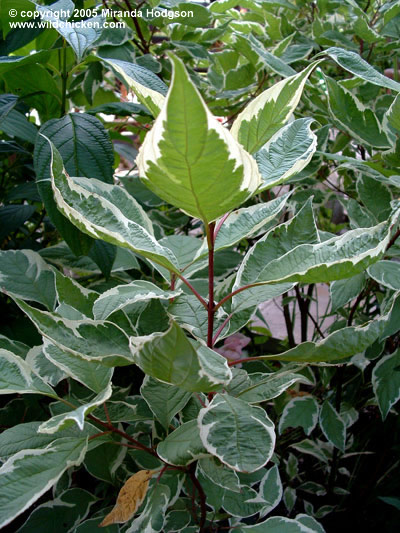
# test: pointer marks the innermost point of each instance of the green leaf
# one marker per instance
(336, 258)
(353, 63)
(172, 358)
(44, 368)
(219, 474)
(85, 146)
(88, 339)
(353, 117)
(24, 274)
(271, 490)
(300, 411)
(106, 212)
(77, 416)
(386, 382)
(147, 86)
(28, 474)
(240, 435)
(13, 217)
(386, 273)
(91, 374)
(190, 160)
(15, 124)
(62, 514)
(81, 37)
(18, 377)
(267, 113)
(392, 115)
(103, 254)
(182, 446)
(123, 295)
(288, 151)
(164, 400)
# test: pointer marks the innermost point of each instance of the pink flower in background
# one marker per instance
(233, 346)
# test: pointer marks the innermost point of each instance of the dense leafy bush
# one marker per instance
(164, 174)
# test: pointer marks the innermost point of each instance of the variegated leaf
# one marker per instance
(148, 87)
(164, 400)
(267, 113)
(386, 273)
(123, 295)
(386, 382)
(190, 160)
(77, 416)
(89, 339)
(300, 411)
(240, 435)
(332, 425)
(18, 490)
(90, 373)
(16, 376)
(182, 446)
(353, 117)
(24, 274)
(106, 212)
(287, 152)
(172, 358)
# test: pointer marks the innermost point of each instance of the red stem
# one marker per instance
(246, 360)
(229, 296)
(210, 307)
(198, 296)
(220, 329)
(220, 224)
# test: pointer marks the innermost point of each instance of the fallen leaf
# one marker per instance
(129, 498)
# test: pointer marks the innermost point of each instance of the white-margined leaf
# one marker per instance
(386, 273)
(28, 474)
(336, 258)
(90, 373)
(43, 367)
(89, 339)
(267, 113)
(106, 212)
(73, 294)
(343, 343)
(171, 357)
(219, 474)
(249, 501)
(16, 376)
(69, 508)
(276, 524)
(353, 117)
(353, 63)
(24, 274)
(262, 387)
(332, 425)
(288, 151)
(77, 416)
(190, 160)
(342, 291)
(164, 400)
(386, 382)
(123, 295)
(300, 411)
(240, 435)
(183, 445)
(148, 87)
(152, 517)
(248, 221)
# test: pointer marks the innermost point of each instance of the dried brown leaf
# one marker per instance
(129, 498)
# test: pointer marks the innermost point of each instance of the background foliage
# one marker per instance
(79, 309)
